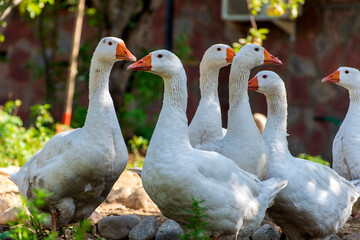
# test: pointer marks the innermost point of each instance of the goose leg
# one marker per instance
(54, 218)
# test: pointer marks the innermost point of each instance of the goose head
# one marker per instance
(347, 77)
(218, 56)
(112, 49)
(161, 62)
(266, 82)
(255, 55)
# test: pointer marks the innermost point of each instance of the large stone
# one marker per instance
(169, 230)
(267, 232)
(9, 215)
(117, 227)
(4, 205)
(119, 195)
(145, 230)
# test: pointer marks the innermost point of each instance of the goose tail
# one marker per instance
(271, 188)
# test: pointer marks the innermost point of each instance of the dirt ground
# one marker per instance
(9, 191)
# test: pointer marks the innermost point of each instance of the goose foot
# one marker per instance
(54, 218)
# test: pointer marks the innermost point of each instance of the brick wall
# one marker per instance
(327, 36)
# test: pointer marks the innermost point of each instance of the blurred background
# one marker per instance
(312, 38)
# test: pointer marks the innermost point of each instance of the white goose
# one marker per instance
(346, 145)
(317, 201)
(206, 126)
(79, 167)
(174, 172)
(242, 133)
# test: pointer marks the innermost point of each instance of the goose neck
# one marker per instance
(171, 131)
(100, 101)
(239, 76)
(175, 91)
(354, 95)
(275, 132)
(209, 81)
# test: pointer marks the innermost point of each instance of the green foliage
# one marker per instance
(80, 231)
(197, 228)
(276, 8)
(18, 143)
(182, 47)
(33, 7)
(255, 36)
(138, 146)
(30, 227)
(317, 159)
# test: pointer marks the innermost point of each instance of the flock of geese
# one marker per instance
(240, 174)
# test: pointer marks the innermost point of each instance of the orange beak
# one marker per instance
(253, 84)
(270, 59)
(143, 64)
(334, 77)
(230, 54)
(123, 53)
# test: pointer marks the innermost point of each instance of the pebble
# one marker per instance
(95, 217)
(267, 232)
(169, 230)
(145, 230)
(117, 227)
(352, 236)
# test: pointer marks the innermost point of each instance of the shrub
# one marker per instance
(317, 159)
(197, 228)
(18, 143)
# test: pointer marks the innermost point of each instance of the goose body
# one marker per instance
(242, 133)
(79, 167)
(174, 172)
(317, 201)
(206, 125)
(346, 145)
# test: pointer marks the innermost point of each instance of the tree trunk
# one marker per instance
(118, 15)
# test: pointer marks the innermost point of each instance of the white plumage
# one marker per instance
(243, 142)
(79, 167)
(206, 125)
(174, 172)
(317, 201)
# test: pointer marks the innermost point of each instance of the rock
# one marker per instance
(267, 232)
(8, 215)
(169, 230)
(3, 205)
(140, 200)
(145, 230)
(334, 237)
(351, 236)
(95, 217)
(117, 227)
(119, 195)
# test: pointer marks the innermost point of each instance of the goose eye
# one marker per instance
(160, 56)
(264, 76)
(346, 71)
(219, 49)
(256, 49)
(110, 43)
